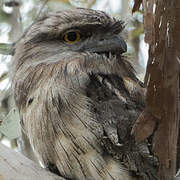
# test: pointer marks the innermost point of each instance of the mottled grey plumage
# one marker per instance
(78, 101)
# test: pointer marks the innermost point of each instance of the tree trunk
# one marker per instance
(162, 78)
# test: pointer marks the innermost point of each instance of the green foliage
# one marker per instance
(6, 49)
(10, 126)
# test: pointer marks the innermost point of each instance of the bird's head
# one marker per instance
(85, 38)
(72, 31)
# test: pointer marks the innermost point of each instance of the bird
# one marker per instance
(78, 97)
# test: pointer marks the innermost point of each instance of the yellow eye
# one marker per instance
(72, 37)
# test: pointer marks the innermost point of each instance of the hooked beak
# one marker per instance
(115, 45)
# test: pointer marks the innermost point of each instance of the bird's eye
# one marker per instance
(72, 37)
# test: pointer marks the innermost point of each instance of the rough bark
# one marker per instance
(162, 79)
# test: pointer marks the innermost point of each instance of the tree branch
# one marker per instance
(14, 165)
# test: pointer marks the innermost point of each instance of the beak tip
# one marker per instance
(123, 46)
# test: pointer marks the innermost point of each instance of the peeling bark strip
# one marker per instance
(162, 79)
(137, 4)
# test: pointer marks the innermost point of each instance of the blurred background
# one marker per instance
(17, 15)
